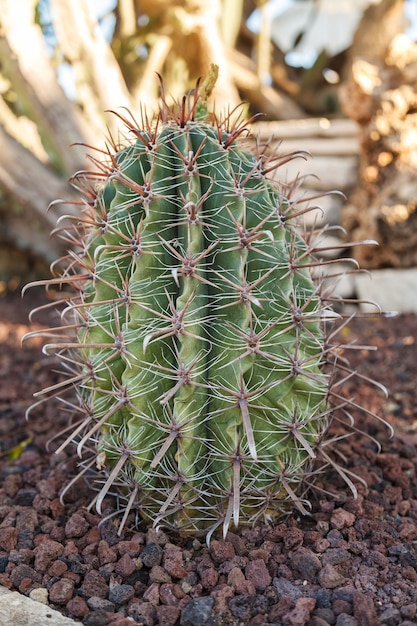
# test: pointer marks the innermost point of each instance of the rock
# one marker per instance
(221, 551)
(40, 594)
(300, 615)
(77, 607)
(246, 606)
(121, 594)
(342, 519)
(256, 572)
(76, 526)
(143, 612)
(21, 611)
(125, 566)
(94, 585)
(334, 556)
(8, 538)
(167, 615)
(306, 563)
(100, 604)
(173, 562)
(197, 612)
(62, 591)
(392, 289)
(151, 554)
(330, 578)
(236, 579)
(346, 620)
(364, 610)
(45, 553)
(159, 575)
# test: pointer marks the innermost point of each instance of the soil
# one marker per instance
(353, 562)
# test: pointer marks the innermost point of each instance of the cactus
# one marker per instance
(202, 357)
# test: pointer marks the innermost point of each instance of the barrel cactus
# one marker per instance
(197, 332)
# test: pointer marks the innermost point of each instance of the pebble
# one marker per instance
(246, 606)
(167, 615)
(221, 551)
(257, 573)
(151, 555)
(300, 615)
(61, 592)
(143, 613)
(94, 585)
(100, 604)
(306, 563)
(173, 562)
(77, 607)
(197, 612)
(76, 526)
(45, 553)
(329, 577)
(125, 566)
(121, 594)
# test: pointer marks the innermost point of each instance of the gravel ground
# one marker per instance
(351, 563)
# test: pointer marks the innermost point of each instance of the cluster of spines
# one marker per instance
(202, 366)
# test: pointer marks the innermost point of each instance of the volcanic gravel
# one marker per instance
(353, 562)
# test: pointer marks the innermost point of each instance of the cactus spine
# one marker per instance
(200, 359)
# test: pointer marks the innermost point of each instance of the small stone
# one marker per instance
(236, 579)
(57, 568)
(346, 620)
(77, 607)
(167, 615)
(246, 606)
(8, 538)
(94, 585)
(341, 519)
(132, 548)
(125, 566)
(197, 612)
(61, 592)
(152, 594)
(409, 611)
(287, 589)
(143, 613)
(45, 553)
(100, 604)
(221, 595)
(257, 573)
(173, 563)
(159, 575)
(40, 594)
(389, 616)
(167, 595)
(151, 555)
(300, 615)
(97, 618)
(105, 553)
(221, 551)
(334, 556)
(76, 526)
(330, 578)
(24, 571)
(293, 538)
(364, 609)
(121, 594)
(25, 497)
(306, 563)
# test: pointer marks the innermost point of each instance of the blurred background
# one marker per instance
(335, 77)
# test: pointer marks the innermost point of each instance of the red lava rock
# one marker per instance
(143, 612)
(8, 538)
(61, 592)
(76, 526)
(221, 595)
(306, 563)
(167, 594)
(94, 585)
(329, 577)
(173, 562)
(159, 575)
(236, 579)
(364, 610)
(45, 553)
(152, 594)
(341, 518)
(105, 553)
(221, 551)
(121, 594)
(57, 568)
(293, 538)
(300, 614)
(256, 572)
(167, 615)
(77, 607)
(125, 566)
(132, 548)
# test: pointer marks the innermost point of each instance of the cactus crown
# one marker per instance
(202, 358)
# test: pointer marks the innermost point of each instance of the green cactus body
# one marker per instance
(200, 336)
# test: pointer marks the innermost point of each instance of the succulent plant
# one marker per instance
(198, 336)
